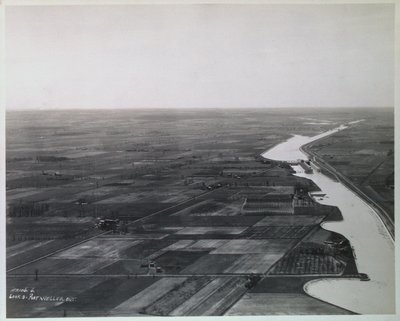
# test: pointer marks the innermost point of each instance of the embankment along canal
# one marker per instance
(372, 244)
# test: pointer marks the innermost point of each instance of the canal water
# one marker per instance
(361, 225)
(290, 149)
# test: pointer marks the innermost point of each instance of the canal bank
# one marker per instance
(361, 225)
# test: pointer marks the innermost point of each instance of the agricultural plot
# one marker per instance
(45, 248)
(22, 247)
(213, 299)
(206, 244)
(175, 195)
(178, 245)
(124, 198)
(124, 267)
(266, 210)
(174, 261)
(34, 194)
(308, 264)
(242, 246)
(105, 296)
(189, 306)
(99, 192)
(146, 248)
(192, 208)
(55, 266)
(279, 190)
(317, 254)
(48, 231)
(145, 236)
(177, 296)
(253, 263)
(80, 154)
(213, 208)
(211, 264)
(319, 236)
(21, 193)
(137, 304)
(137, 209)
(294, 220)
(281, 303)
(99, 248)
(134, 237)
(188, 245)
(56, 220)
(283, 284)
(39, 181)
(228, 209)
(212, 230)
(214, 221)
(276, 232)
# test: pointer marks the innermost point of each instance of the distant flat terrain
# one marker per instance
(205, 225)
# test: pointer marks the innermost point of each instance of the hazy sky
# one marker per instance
(199, 56)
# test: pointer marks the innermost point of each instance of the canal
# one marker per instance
(361, 225)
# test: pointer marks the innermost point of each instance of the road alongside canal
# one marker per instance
(362, 226)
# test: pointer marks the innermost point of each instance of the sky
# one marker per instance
(187, 56)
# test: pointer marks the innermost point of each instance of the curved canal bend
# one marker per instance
(361, 225)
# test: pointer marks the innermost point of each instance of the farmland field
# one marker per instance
(200, 223)
(281, 303)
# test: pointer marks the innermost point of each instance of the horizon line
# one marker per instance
(185, 108)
